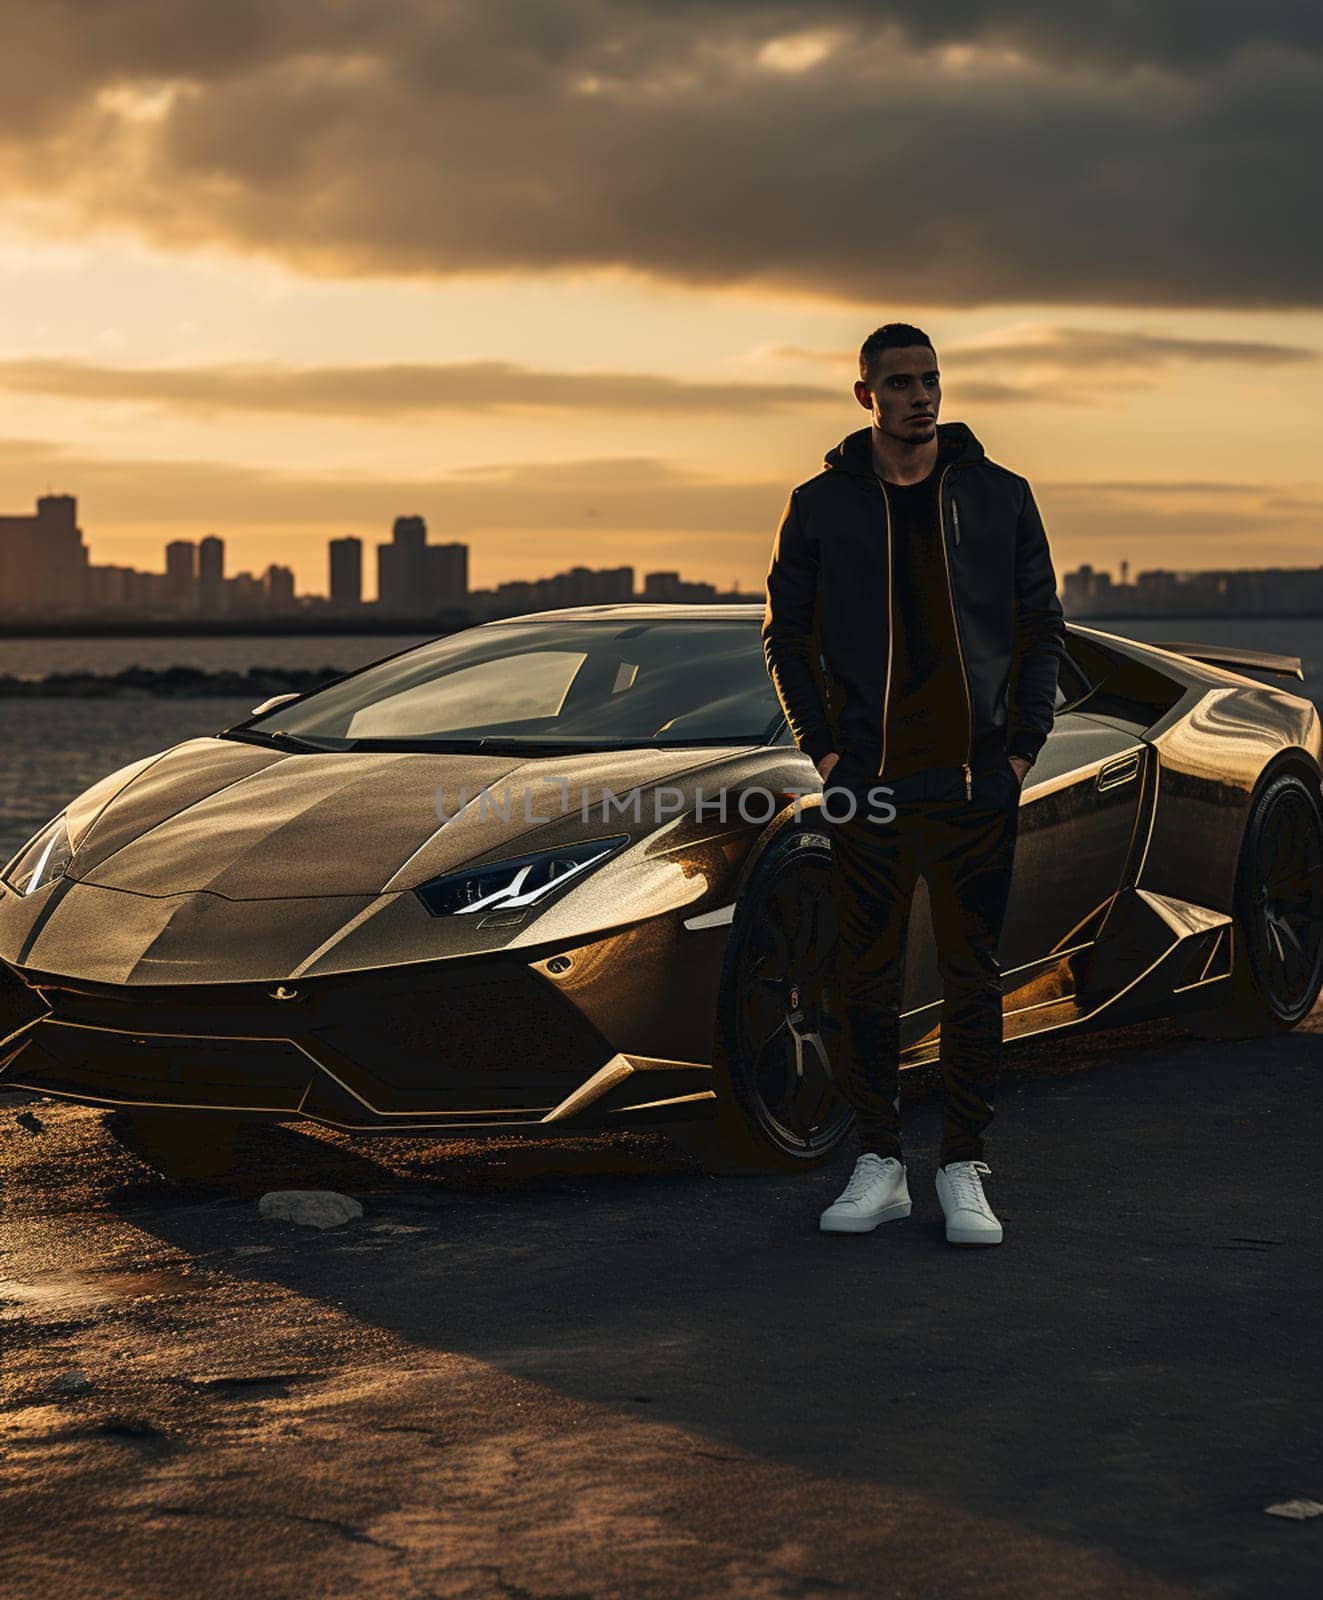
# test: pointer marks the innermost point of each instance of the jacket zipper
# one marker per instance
(955, 623)
(886, 682)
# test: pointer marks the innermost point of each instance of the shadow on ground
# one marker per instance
(1127, 1374)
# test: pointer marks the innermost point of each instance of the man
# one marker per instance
(913, 634)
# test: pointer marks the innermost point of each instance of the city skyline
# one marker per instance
(46, 570)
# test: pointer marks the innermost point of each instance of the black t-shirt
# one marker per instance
(926, 718)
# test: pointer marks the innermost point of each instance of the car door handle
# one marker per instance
(1123, 770)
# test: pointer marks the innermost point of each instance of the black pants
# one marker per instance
(964, 849)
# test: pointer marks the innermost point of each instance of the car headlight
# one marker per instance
(42, 860)
(520, 881)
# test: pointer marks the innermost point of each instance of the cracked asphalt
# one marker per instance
(586, 1369)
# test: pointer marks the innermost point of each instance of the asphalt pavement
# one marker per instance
(587, 1369)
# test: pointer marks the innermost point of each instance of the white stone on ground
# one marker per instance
(310, 1208)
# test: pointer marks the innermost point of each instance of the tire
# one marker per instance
(188, 1145)
(778, 1109)
(1277, 921)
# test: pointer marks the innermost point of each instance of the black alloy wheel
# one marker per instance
(1277, 933)
(779, 1107)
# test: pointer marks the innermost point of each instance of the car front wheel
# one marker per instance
(778, 1104)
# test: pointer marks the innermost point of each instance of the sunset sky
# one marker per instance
(584, 281)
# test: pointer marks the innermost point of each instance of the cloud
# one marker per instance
(1146, 489)
(398, 389)
(969, 154)
(616, 495)
(1078, 348)
(1190, 526)
(1053, 365)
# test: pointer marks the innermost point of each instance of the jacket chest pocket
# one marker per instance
(980, 518)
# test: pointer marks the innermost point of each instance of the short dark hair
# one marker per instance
(890, 336)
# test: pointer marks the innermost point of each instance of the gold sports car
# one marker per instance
(566, 871)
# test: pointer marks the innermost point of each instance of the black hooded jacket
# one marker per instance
(827, 626)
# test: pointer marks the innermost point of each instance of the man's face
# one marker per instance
(905, 394)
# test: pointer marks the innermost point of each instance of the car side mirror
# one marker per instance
(271, 704)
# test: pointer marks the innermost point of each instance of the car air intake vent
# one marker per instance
(18, 1003)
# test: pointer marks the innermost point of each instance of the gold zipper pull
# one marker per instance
(969, 782)
(955, 518)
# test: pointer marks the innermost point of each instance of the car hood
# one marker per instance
(252, 823)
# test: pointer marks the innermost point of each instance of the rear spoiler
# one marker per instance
(1233, 656)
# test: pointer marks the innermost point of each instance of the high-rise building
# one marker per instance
(661, 586)
(346, 556)
(43, 562)
(244, 594)
(211, 575)
(612, 584)
(402, 569)
(181, 574)
(278, 587)
(670, 587)
(447, 567)
(111, 588)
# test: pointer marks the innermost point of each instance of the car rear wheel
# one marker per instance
(1277, 931)
(778, 1107)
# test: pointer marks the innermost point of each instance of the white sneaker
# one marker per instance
(876, 1192)
(969, 1217)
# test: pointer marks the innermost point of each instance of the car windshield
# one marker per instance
(586, 684)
